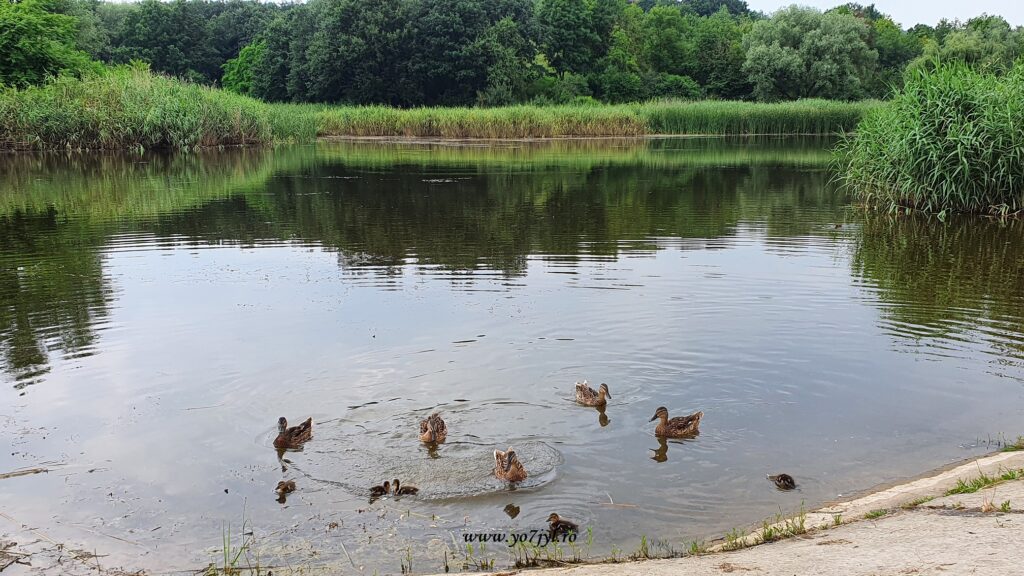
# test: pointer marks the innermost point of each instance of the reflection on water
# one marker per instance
(159, 313)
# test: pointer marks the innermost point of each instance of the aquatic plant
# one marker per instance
(130, 108)
(949, 141)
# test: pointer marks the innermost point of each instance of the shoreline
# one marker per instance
(866, 524)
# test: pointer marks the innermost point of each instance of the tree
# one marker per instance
(36, 43)
(668, 42)
(270, 73)
(709, 7)
(510, 67)
(172, 37)
(238, 72)
(568, 34)
(718, 49)
(802, 53)
(985, 42)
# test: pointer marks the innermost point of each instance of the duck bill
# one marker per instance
(653, 418)
(508, 463)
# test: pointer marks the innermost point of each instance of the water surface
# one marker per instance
(160, 312)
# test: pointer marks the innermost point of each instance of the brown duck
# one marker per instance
(558, 527)
(589, 397)
(783, 481)
(376, 491)
(285, 487)
(433, 430)
(507, 466)
(293, 437)
(404, 490)
(678, 427)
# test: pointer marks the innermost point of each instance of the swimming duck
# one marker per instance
(381, 490)
(783, 481)
(678, 427)
(589, 397)
(507, 466)
(404, 490)
(293, 437)
(433, 429)
(557, 526)
(283, 489)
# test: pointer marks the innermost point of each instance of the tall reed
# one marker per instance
(951, 141)
(125, 108)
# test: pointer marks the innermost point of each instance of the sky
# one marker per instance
(910, 12)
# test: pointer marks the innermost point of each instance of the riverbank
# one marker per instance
(944, 521)
(132, 109)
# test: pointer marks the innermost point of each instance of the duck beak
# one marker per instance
(508, 462)
(653, 418)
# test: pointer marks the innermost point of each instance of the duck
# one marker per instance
(559, 527)
(783, 481)
(285, 487)
(380, 490)
(507, 466)
(433, 430)
(404, 490)
(589, 397)
(678, 427)
(293, 437)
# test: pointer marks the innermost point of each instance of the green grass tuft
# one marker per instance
(876, 514)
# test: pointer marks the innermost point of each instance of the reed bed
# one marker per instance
(132, 108)
(951, 141)
(665, 117)
(127, 108)
(506, 122)
(732, 117)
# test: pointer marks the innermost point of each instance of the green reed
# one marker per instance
(131, 108)
(951, 141)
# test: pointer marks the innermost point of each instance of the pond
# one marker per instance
(159, 313)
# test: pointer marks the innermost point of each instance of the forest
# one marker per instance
(410, 53)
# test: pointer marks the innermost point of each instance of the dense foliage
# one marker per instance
(949, 142)
(495, 52)
(36, 42)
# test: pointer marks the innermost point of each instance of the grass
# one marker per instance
(983, 480)
(917, 502)
(1014, 446)
(129, 107)
(876, 514)
(952, 140)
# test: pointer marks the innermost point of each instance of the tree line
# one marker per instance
(496, 52)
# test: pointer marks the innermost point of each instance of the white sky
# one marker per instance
(910, 12)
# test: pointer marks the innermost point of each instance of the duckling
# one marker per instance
(507, 466)
(293, 437)
(558, 527)
(285, 487)
(404, 490)
(678, 427)
(783, 481)
(589, 397)
(433, 430)
(380, 490)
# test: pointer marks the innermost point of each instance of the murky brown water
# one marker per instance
(159, 313)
